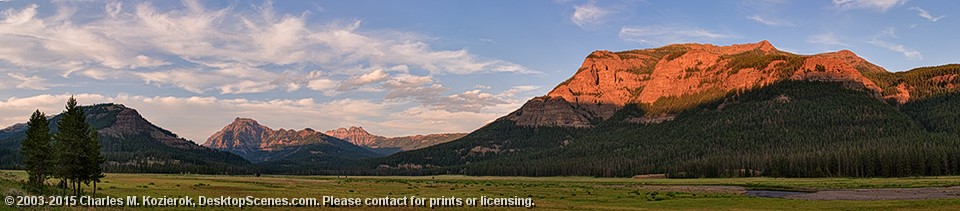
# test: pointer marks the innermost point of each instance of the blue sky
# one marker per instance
(397, 67)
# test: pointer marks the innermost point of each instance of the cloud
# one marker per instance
(30, 82)
(143, 42)
(926, 15)
(827, 38)
(878, 41)
(880, 5)
(362, 80)
(247, 86)
(769, 22)
(324, 85)
(588, 14)
(909, 53)
(661, 35)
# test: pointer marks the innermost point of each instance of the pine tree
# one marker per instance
(72, 144)
(36, 149)
(94, 170)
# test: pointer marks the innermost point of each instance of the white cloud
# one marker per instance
(769, 22)
(144, 42)
(30, 82)
(909, 53)
(827, 38)
(926, 15)
(520, 89)
(196, 81)
(324, 85)
(878, 41)
(662, 35)
(247, 86)
(588, 14)
(880, 5)
(362, 80)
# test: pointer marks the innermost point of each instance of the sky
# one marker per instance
(398, 67)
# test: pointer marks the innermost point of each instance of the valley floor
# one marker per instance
(555, 193)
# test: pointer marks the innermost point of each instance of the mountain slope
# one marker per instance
(387, 146)
(258, 143)
(133, 144)
(696, 110)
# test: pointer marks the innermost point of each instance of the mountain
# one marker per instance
(133, 144)
(356, 135)
(699, 110)
(387, 146)
(677, 77)
(258, 143)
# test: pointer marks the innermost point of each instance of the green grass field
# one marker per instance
(549, 193)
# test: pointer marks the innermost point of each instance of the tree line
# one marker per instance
(71, 154)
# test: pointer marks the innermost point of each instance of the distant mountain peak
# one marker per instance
(356, 135)
(248, 138)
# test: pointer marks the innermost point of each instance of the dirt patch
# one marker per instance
(696, 189)
(882, 194)
(847, 194)
(649, 176)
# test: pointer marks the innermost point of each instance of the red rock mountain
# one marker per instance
(667, 77)
(360, 137)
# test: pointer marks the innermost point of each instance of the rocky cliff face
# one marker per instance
(258, 143)
(241, 134)
(384, 145)
(248, 134)
(663, 77)
(356, 135)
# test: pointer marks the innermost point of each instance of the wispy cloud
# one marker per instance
(769, 22)
(29, 82)
(909, 53)
(878, 41)
(588, 14)
(661, 35)
(926, 15)
(827, 38)
(879, 5)
(229, 50)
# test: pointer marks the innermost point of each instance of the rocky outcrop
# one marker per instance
(241, 134)
(248, 134)
(556, 111)
(356, 135)
(385, 145)
(128, 123)
(258, 143)
(606, 80)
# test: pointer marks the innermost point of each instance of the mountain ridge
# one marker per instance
(259, 143)
(699, 110)
(389, 145)
(607, 81)
(133, 144)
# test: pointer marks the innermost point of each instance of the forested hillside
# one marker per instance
(789, 129)
(132, 144)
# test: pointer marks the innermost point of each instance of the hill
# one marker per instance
(133, 144)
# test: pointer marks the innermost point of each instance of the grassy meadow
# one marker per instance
(548, 193)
